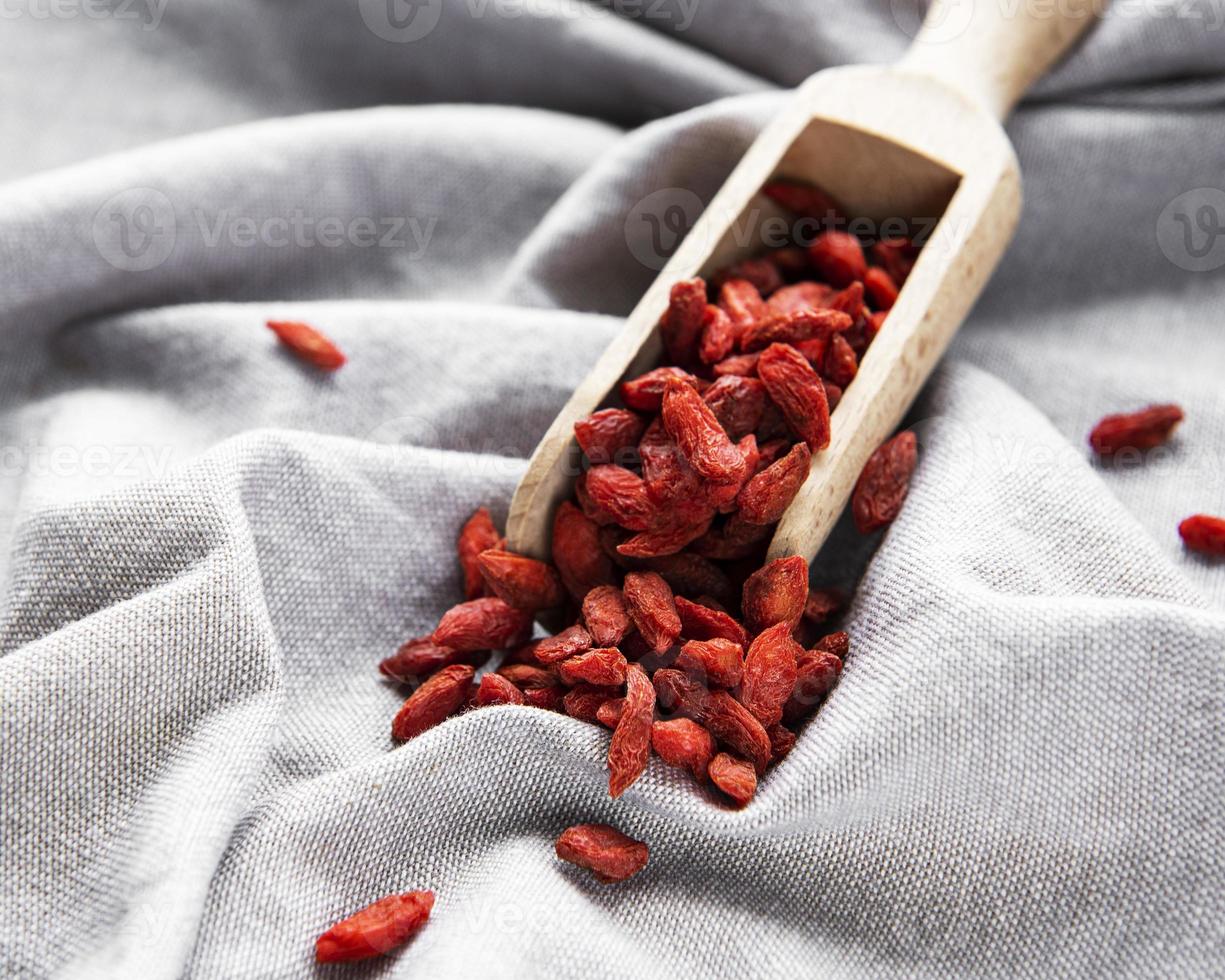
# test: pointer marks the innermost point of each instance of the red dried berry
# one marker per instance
(782, 741)
(734, 777)
(838, 258)
(762, 273)
(606, 616)
(569, 642)
(841, 364)
(630, 748)
(882, 485)
(1204, 534)
(609, 713)
(700, 622)
(681, 325)
(496, 689)
(436, 699)
(545, 698)
(833, 394)
(816, 674)
(742, 303)
(645, 393)
(477, 535)
(896, 256)
(737, 403)
(652, 608)
(718, 336)
(739, 365)
(735, 540)
(663, 541)
(1146, 429)
(790, 328)
(790, 260)
(685, 744)
(583, 701)
(805, 201)
(821, 604)
(604, 667)
(716, 663)
(483, 624)
(797, 390)
(839, 644)
(698, 434)
(770, 671)
(881, 289)
(603, 850)
(806, 295)
(776, 593)
(609, 435)
(375, 930)
(308, 344)
(522, 582)
(735, 726)
(577, 554)
(767, 495)
(620, 495)
(848, 301)
(526, 676)
(420, 657)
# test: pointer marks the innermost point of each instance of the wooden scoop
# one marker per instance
(921, 139)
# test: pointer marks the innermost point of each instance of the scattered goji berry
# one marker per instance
(420, 657)
(483, 624)
(734, 777)
(434, 701)
(308, 344)
(883, 484)
(522, 582)
(1204, 534)
(603, 850)
(375, 930)
(782, 741)
(630, 748)
(816, 673)
(477, 535)
(1146, 429)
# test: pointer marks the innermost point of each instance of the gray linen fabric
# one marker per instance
(207, 547)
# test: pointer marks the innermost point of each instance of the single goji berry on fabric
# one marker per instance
(896, 256)
(570, 641)
(766, 496)
(681, 325)
(734, 777)
(583, 701)
(848, 301)
(630, 748)
(483, 624)
(805, 201)
(684, 744)
(881, 289)
(602, 850)
(375, 930)
(806, 295)
(762, 273)
(577, 553)
(420, 657)
(789, 328)
(776, 593)
(838, 258)
(742, 303)
(645, 393)
(477, 535)
(841, 364)
(1204, 534)
(525, 676)
(604, 667)
(698, 434)
(718, 336)
(739, 365)
(620, 495)
(496, 689)
(700, 622)
(609, 713)
(737, 403)
(731, 723)
(717, 662)
(882, 485)
(652, 608)
(522, 582)
(606, 616)
(610, 435)
(797, 391)
(439, 697)
(308, 344)
(1146, 429)
(662, 541)
(545, 698)
(782, 741)
(821, 604)
(816, 674)
(770, 671)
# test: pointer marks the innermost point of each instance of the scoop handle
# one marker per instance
(994, 50)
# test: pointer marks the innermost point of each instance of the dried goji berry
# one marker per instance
(881, 288)
(816, 673)
(496, 689)
(603, 850)
(621, 495)
(833, 394)
(805, 200)
(770, 673)
(630, 748)
(718, 336)
(848, 301)
(702, 440)
(1204, 534)
(806, 295)
(685, 744)
(735, 726)
(604, 667)
(577, 554)
(742, 303)
(420, 657)
(699, 622)
(766, 496)
(737, 403)
(308, 344)
(734, 777)
(690, 574)
(814, 349)
(545, 698)
(841, 364)
(838, 258)
(736, 539)
(583, 701)
(681, 325)
(739, 365)
(435, 700)
(645, 393)
(821, 604)
(483, 624)
(797, 391)
(896, 256)
(609, 435)
(525, 676)
(522, 582)
(788, 328)
(478, 534)
(375, 930)
(782, 741)
(762, 273)
(717, 662)
(1145, 429)
(606, 616)
(652, 608)
(882, 485)
(567, 643)
(790, 260)
(776, 593)
(662, 541)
